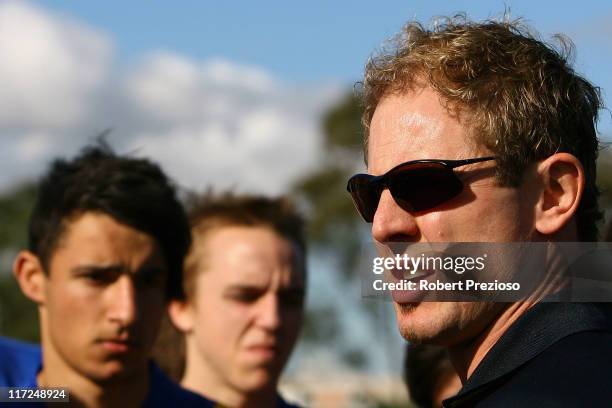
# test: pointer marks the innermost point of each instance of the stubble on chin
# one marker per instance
(428, 322)
(445, 323)
(406, 307)
(402, 314)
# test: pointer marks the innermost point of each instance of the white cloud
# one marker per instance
(48, 66)
(164, 86)
(210, 122)
(221, 124)
(257, 147)
(32, 147)
(223, 72)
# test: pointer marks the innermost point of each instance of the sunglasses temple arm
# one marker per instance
(459, 163)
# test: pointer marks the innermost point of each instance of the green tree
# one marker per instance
(334, 224)
(604, 178)
(18, 315)
(604, 181)
(15, 207)
(333, 221)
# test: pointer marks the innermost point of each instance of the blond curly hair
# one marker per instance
(521, 96)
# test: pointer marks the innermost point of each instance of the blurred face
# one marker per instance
(248, 304)
(104, 298)
(413, 126)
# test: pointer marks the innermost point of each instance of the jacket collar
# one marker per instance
(539, 328)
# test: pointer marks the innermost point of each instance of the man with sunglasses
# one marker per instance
(479, 132)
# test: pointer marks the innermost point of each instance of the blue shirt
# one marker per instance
(20, 363)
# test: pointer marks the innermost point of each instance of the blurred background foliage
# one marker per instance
(15, 207)
(18, 315)
(333, 221)
(604, 178)
(334, 226)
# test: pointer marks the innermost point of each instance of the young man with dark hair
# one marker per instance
(107, 238)
(245, 281)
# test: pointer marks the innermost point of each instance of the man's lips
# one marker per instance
(118, 346)
(409, 296)
(263, 351)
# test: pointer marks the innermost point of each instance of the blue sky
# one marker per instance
(314, 40)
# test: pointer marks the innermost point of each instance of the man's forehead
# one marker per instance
(415, 125)
(95, 223)
(397, 117)
(256, 273)
(233, 258)
(398, 128)
(288, 280)
(100, 238)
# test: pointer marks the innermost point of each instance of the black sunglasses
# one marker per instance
(416, 185)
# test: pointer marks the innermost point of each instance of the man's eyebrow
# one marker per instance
(245, 286)
(85, 269)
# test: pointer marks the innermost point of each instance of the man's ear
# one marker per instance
(181, 315)
(30, 275)
(562, 178)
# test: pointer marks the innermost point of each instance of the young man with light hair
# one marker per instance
(244, 283)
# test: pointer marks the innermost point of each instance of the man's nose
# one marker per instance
(392, 223)
(268, 312)
(123, 302)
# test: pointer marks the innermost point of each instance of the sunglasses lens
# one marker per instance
(366, 195)
(415, 187)
(423, 186)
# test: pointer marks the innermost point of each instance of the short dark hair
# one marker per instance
(210, 211)
(133, 191)
(523, 99)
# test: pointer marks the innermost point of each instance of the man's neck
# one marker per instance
(202, 379)
(468, 355)
(129, 391)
